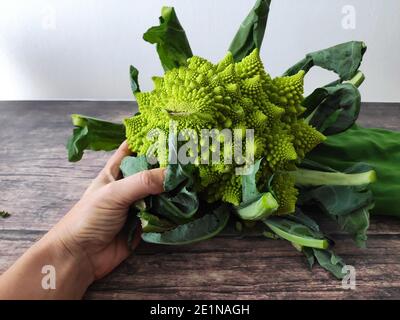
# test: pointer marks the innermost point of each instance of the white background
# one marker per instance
(82, 49)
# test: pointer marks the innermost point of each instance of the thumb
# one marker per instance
(126, 191)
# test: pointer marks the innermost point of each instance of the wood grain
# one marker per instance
(38, 185)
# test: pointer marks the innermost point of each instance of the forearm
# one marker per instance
(47, 271)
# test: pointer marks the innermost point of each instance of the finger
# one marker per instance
(112, 166)
(138, 186)
(111, 170)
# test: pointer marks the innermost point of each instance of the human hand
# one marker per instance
(93, 226)
(88, 242)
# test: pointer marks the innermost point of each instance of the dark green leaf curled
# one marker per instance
(251, 32)
(343, 59)
(332, 110)
(177, 174)
(134, 78)
(200, 229)
(4, 214)
(179, 203)
(93, 134)
(171, 42)
(179, 208)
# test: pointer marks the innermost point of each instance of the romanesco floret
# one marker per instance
(230, 95)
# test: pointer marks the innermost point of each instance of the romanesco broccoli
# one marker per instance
(202, 95)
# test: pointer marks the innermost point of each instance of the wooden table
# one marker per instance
(38, 186)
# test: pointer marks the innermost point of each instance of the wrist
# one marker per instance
(74, 272)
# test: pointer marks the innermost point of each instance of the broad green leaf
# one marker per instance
(132, 165)
(93, 134)
(343, 59)
(200, 229)
(338, 200)
(134, 77)
(251, 32)
(171, 42)
(378, 148)
(332, 110)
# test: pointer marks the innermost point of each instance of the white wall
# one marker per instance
(81, 49)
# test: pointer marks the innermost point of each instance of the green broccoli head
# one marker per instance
(241, 96)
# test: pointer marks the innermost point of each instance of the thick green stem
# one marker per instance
(357, 80)
(78, 120)
(299, 241)
(306, 177)
(260, 209)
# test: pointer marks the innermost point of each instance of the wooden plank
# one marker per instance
(38, 186)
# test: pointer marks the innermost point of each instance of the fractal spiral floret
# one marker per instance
(202, 95)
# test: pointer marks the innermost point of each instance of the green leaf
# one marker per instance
(356, 224)
(328, 260)
(131, 224)
(348, 205)
(332, 110)
(93, 134)
(301, 218)
(176, 174)
(249, 184)
(304, 234)
(335, 107)
(309, 253)
(259, 209)
(338, 200)
(134, 77)
(297, 232)
(180, 201)
(171, 42)
(152, 223)
(343, 59)
(378, 148)
(251, 32)
(200, 229)
(4, 214)
(132, 165)
(179, 208)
